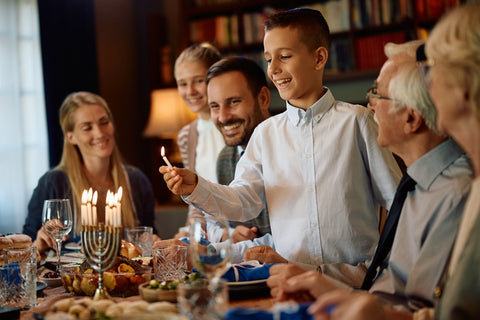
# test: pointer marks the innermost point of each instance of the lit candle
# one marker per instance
(118, 198)
(94, 207)
(165, 158)
(113, 208)
(108, 209)
(89, 206)
(84, 207)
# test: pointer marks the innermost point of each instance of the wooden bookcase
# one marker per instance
(359, 28)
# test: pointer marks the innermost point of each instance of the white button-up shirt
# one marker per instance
(321, 174)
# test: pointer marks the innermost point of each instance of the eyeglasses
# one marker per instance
(372, 93)
(424, 64)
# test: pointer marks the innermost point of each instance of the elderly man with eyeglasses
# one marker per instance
(416, 242)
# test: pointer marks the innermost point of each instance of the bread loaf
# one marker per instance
(130, 250)
(15, 241)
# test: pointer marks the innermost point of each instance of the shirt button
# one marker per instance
(437, 292)
(313, 224)
(308, 155)
(309, 189)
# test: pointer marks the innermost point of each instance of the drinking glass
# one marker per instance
(142, 237)
(210, 261)
(18, 277)
(57, 221)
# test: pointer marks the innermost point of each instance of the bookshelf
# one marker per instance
(359, 28)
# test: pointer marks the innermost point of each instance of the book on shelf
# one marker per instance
(369, 50)
(380, 12)
(336, 13)
(340, 57)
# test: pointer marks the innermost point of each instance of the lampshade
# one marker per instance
(168, 114)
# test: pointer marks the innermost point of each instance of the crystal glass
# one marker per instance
(170, 263)
(142, 237)
(57, 221)
(18, 275)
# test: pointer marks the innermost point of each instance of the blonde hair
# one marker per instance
(204, 53)
(72, 160)
(455, 42)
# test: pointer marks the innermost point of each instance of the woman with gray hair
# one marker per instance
(452, 73)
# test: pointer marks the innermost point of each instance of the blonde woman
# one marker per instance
(90, 159)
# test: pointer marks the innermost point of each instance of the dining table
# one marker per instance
(256, 298)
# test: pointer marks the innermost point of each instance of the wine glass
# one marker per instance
(210, 261)
(57, 221)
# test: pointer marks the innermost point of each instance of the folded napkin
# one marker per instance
(212, 257)
(203, 241)
(247, 271)
(281, 311)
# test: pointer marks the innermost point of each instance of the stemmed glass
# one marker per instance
(212, 262)
(57, 221)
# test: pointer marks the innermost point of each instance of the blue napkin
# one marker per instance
(296, 312)
(241, 272)
(203, 241)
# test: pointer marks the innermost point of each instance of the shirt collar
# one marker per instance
(240, 150)
(315, 111)
(425, 170)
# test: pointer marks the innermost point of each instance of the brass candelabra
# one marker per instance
(101, 245)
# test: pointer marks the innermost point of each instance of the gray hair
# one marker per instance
(406, 86)
(455, 42)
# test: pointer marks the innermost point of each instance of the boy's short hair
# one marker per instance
(254, 74)
(313, 27)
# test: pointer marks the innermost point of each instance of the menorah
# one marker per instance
(100, 246)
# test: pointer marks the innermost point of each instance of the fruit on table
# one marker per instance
(122, 279)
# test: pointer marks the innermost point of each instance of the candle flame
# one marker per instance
(109, 198)
(90, 194)
(95, 196)
(118, 196)
(162, 152)
(84, 196)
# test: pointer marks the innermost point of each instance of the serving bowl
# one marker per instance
(156, 294)
(51, 278)
(121, 280)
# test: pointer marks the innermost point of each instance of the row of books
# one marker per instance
(369, 52)
(248, 27)
(225, 30)
(380, 12)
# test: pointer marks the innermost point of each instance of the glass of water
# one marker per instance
(18, 277)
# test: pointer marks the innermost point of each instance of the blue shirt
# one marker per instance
(427, 226)
(320, 173)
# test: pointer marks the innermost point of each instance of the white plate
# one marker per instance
(73, 246)
(246, 283)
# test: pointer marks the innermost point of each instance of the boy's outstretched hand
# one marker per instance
(180, 181)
